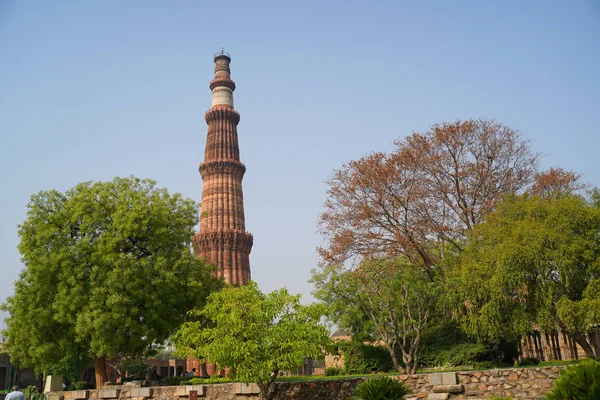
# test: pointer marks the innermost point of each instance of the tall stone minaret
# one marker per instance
(222, 239)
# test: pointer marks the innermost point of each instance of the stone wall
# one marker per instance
(518, 383)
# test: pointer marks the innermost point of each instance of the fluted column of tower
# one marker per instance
(222, 239)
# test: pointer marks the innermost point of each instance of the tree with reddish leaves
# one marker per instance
(556, 182)
(419, 200)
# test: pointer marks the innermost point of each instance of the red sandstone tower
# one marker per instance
(222, 239)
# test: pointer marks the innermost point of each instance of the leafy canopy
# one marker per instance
(254, 334)
(108, 271)
(420, 199)
(535, 261)
(391, 300)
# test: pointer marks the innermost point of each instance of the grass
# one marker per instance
(558, 362)
(321, 377)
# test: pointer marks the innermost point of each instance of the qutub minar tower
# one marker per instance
(222, 238)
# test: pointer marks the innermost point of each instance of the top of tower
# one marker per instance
(222, 54)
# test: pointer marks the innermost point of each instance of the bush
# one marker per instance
(581, 382)
(205, 381)
(333, 371)
(445, 344)
(526, 362)
(173, 380)
(457, 354)
(83, 385)
(383, 388)
(30, 391)
(486, 365)
(362, 358)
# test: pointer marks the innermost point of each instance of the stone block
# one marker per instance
(435, 379)
(80, 394)
(448, 389)
(242, 388)
(53, 383)
(181, 391)
(438, 396)
(109, 393)
(200, 389)
(141, 392)
(449, 378)
(55, 396)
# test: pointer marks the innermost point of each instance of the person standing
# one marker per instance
(16, 394)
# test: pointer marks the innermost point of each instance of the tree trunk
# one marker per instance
(265, 394)
(203, 369)
(100, 371)
(415, 364)
(394, 357)
(582, 341)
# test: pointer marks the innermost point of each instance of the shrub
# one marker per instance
(83, 385)
(30, 391)
(362, 358)
(173, 380)
(525, 362)
(333, 371)
(205, 381)
(486, 365)
(457, 354)
(445, 344)
(383, 388)
(581, 382)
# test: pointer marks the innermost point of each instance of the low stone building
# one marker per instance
(13, 375)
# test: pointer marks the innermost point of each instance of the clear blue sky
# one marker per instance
(90, 90)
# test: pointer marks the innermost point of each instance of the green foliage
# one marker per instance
(333, 371)
(360, 358)
(533, 261)
(390, 301)
(163, 353)
(83, 385)
(30, 391)
(459, 354)
(71, 367)
(445, 345)
(254, 334)
(526, 362)
(486, 365)
(383, 388)
(133, 367)
(173, 380)
(205, 381)
(558, 362)
(108, 271)
(501, 398)
(581, 382)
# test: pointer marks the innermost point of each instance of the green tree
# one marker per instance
(535, 261)
(108, 271)
(391, 300)
(254, 334)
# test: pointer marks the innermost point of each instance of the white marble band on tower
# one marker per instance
(222, 95)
